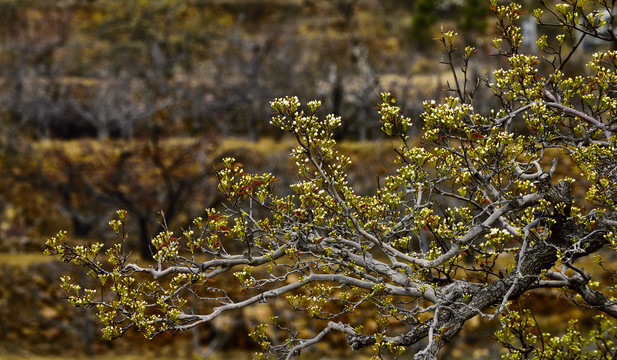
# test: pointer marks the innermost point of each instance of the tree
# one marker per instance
(144, 176)
(488, 210)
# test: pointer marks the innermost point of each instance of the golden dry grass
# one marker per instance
(23, 259)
